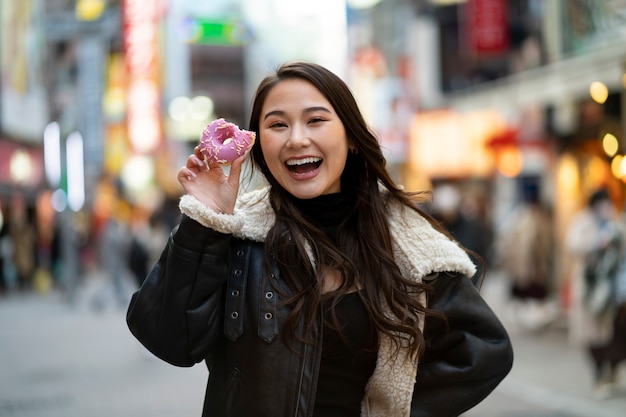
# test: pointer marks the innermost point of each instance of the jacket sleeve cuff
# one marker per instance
(223, 223)
(190, 234)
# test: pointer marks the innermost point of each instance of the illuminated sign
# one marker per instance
(140, 21)
(488, 26)
(215, 32)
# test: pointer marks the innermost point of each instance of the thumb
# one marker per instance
(235, 170)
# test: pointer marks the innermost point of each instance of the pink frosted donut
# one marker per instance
(222, 142)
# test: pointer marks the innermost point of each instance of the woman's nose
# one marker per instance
(298, 137)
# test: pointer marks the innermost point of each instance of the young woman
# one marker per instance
(326, 293)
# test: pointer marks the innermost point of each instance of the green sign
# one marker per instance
(215, 32)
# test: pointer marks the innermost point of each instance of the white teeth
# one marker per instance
(310, 160)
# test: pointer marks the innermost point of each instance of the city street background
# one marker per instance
(511, 112)
(79, 360)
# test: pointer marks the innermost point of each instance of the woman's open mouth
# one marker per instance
(304, 165)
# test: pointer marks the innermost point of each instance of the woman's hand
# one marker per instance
(210, 184)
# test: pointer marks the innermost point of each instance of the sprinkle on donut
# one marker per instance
(222, 142)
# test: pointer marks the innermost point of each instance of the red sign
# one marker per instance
(140, 20)
(487, 26)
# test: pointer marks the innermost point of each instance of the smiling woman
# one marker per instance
(329, 283)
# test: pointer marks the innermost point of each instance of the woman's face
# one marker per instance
(304, 142)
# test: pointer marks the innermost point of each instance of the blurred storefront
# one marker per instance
(553, 72)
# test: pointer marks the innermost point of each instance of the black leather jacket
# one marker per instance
(205, 300)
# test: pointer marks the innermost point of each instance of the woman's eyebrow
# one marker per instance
(273, 113)
(307, 110)
(316, 108)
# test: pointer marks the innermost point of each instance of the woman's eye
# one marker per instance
(316, 120)
(277, 124)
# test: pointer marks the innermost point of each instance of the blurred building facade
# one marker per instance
(539, 85)
(488, 95)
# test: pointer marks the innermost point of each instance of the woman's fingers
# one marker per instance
(196, 166)
(194, 162)
(186, 174)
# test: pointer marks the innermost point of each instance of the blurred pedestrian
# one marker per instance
(596, 239)
(24, 241)
(8, 275)
(158, 231)
(462, 214)
(526, 255)
(327, 293)
(138, 257)
(114, 244)
(148, 232)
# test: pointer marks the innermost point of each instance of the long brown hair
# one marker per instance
(364, 254)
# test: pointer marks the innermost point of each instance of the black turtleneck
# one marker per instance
(327, 211)
(346, 365)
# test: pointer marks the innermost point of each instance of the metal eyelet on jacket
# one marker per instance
(236, 292)
(268, 321)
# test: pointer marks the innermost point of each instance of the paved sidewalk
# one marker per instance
(58, 360)
(550, 377)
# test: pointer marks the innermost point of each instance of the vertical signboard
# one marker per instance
(487, 26)
(143, 117)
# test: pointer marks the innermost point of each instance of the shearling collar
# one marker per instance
(419, 250)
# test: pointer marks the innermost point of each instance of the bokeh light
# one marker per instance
(610, 144)
(599, 92)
